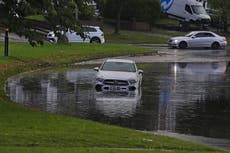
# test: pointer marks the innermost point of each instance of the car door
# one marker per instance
(73, 36)
(208, 39)
(195, 40)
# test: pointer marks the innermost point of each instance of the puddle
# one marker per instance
(186, 98)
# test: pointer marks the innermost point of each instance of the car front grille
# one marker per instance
(116, 82)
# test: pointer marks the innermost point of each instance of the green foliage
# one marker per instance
(86, 11)
(222, 6)
(144, 10)
(13, 15)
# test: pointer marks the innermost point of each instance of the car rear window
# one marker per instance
(89, 29)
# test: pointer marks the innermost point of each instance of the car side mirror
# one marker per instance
(96, 69)
(193, 37)
(140, 71)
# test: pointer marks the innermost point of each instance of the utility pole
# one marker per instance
(6, 52)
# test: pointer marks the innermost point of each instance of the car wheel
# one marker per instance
(215, 45)
(95, 40)
(52, 40)
(183, 45)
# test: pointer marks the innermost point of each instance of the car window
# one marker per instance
(89, 29)
(204, 34)
(119, 66)
(198, 35)
(189, 34)
(198, 9)
(209, 35)
(188, 8)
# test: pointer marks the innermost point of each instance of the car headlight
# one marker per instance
(175, 41)
(99, 79)
(132, 81)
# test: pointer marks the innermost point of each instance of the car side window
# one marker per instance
(209, 35)
(199, 35)
(89, 29)
(188, 9)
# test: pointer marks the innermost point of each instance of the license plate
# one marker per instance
(115, 88)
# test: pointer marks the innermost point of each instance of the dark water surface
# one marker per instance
(189, 98)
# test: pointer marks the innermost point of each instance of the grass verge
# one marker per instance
(25, 130)
(132, 37)
(65, 53)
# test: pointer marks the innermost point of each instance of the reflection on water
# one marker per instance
(191, 98)
(120, 105)
(195, 99)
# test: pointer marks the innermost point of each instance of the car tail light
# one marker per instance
(225, 39)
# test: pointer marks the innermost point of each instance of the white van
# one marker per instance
(185, 10)
(93, 34)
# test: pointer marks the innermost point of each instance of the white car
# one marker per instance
(93, 34)
(198, 39)
(118, 75)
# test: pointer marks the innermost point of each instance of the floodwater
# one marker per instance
(187, 98)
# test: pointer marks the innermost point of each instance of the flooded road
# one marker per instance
(186, 98)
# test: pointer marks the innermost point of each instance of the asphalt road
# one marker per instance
(166, 54)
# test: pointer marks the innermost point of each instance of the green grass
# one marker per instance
(132, 37)
(36, 17)
(168, 21)
(92, 150)
(66, 53)
(169, 33)
(6, 60)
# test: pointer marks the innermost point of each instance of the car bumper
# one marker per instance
(223, 44)
(172, 44)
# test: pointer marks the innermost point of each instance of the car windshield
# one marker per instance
(189, 34)
(198, 9)
(119, 66)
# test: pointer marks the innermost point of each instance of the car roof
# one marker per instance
(85, 26)
(201, 31)
(120, 60)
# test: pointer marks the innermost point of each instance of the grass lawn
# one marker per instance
(132, 37)
(65, 53)
(24, 130)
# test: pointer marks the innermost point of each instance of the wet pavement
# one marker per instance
(165, 54)
(177, 98)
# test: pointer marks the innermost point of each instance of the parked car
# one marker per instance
(118, 75)
(198, 39)
(92, 34)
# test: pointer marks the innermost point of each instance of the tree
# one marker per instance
(112, 9)
(59, 16)
(222, 7)
(144, 10)
(86, 11)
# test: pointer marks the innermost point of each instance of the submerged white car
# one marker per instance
(198, 39)
(118, 75)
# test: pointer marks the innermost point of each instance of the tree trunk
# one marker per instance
(118, 21)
